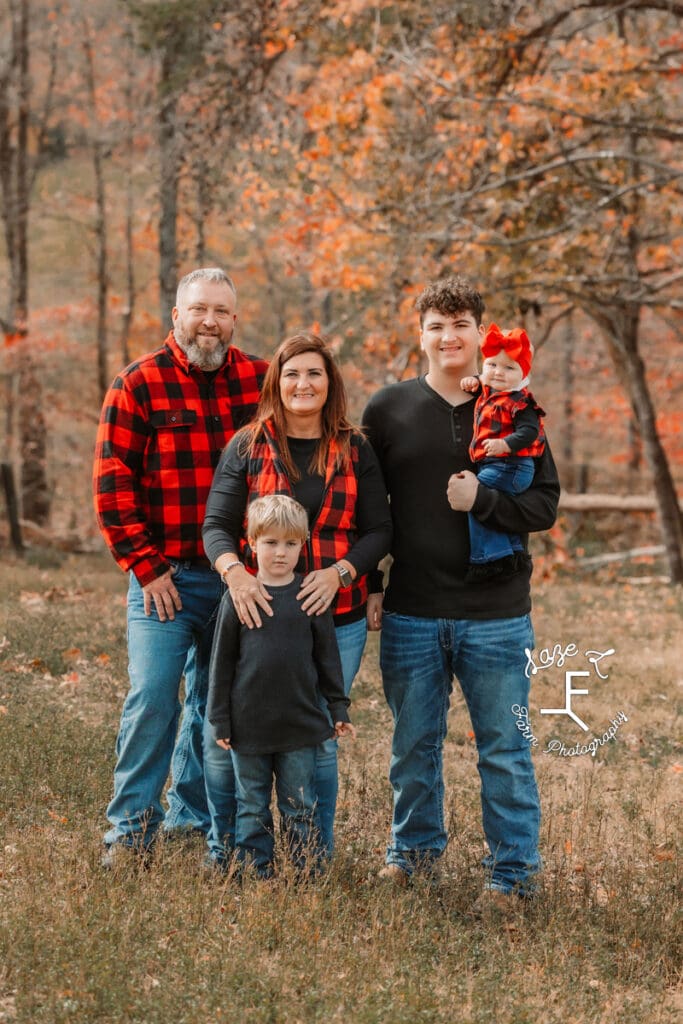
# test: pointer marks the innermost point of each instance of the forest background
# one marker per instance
(334, 157)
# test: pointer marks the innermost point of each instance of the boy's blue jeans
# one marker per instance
(159, 654)
(512, 475)
(219, 773)
(294, 773)
(419, 658)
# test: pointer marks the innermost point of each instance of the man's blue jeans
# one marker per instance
(294, 773)
(512, 475)
(219, 772)
(147, 746)
(419, 658)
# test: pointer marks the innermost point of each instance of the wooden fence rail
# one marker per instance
(608, 502)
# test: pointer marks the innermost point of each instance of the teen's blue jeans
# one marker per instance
(149, 742)
(294, 773)
(512, 475)
(219, 773)
(419, 658)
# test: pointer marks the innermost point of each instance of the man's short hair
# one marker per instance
(277, 511)
(213, 274)
(450, 296)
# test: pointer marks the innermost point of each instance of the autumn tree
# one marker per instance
(588, 188)
(538, 149)
(24, 121)
(98, 150)
(213, 62)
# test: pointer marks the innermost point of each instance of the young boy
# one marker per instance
(264, 694)
(508, 436)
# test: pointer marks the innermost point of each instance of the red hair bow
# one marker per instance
(515, 344)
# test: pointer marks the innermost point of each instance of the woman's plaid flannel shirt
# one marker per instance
(333, 530)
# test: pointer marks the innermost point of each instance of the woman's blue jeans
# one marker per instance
(512, 475)
(219, 771)
(419, 658)
(149, 742)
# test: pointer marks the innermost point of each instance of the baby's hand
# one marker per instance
(344, 729)
(496, 446)
(225, 744)
(469, 384)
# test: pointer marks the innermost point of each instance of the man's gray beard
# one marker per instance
(206, 361)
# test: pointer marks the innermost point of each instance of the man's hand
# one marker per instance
(462, 491)
(163, 593)
(248, 596)
(225, 744)
(344, 729)
(496, 446)
(373, 611)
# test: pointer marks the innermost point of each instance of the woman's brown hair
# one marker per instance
(335, 422)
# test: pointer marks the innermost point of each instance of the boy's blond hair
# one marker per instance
(279, 511)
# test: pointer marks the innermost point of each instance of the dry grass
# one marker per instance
(601, 945)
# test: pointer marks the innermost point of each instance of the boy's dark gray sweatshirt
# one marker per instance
(264, 684)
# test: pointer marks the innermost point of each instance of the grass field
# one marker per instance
(602, 943)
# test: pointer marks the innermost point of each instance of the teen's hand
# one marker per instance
(344, 729)
(225, 744)
(373, 611)
(462, 491)
(319, 590)
(163, 594)
(249, 596)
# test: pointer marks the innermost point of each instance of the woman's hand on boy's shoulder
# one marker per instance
(318, 590)
(249, 597)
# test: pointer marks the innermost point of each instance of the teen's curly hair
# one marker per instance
(335, 422)
(449, 296)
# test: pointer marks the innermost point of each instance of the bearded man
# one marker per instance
(165, 421)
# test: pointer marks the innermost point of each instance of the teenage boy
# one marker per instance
(436, 626)
(265, 687)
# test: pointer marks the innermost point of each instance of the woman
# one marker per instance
(300, 443)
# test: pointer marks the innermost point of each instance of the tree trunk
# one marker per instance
(568, 383)
(622, 339)
(635, 451)
(100, 215)
(19, 255)
(35, 493)
(168, 190)
(129, 306)
(202, 209)
(12, 507)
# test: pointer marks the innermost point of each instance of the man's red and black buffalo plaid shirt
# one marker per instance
(164, 424)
